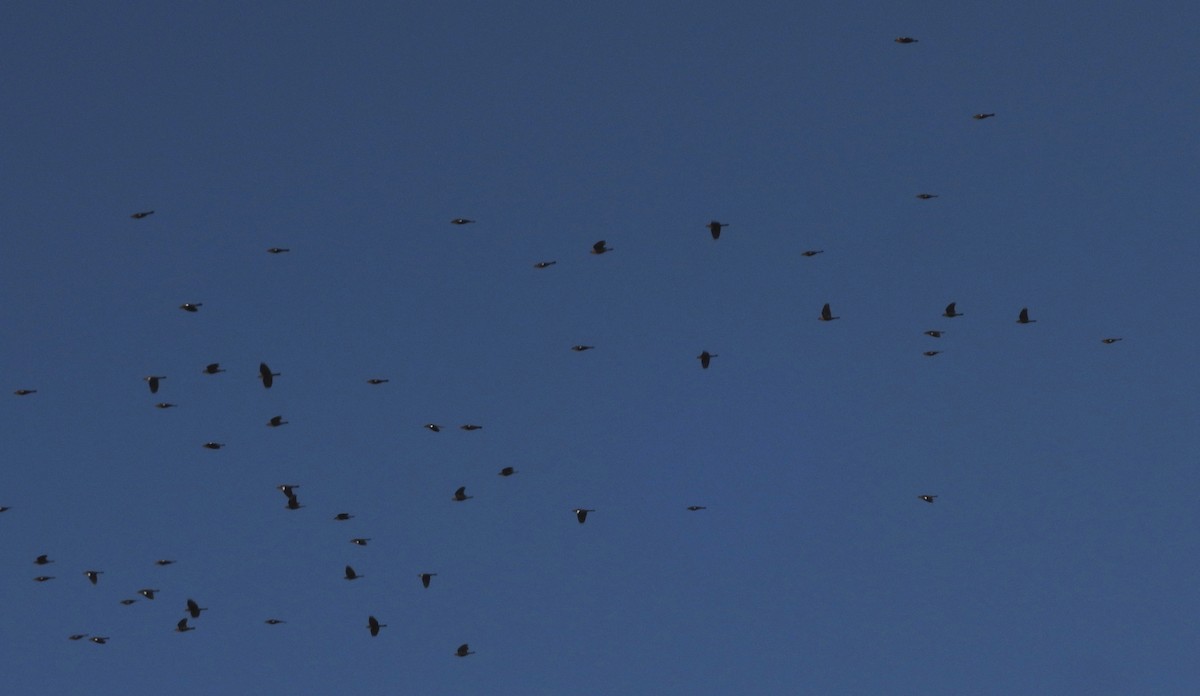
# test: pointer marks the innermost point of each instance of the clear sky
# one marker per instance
(1060, 555)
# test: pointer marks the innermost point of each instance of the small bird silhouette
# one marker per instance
(1023, 317)
(360, 541)
(93, 575)
(43, 578)
(127, 602)
(164, 404)
(143, 214)
(376, 380)
(163, 562)
(580, 349)
(99, 640)
(213, 368)
(152, 380)
(213, 445)
(461, 494)
(927, 498)
(544, 264)
(581, 514)
(42, 560)
(827, 314)
(812, 252)
(191, 306)
(950, 313)
(25, 392)
(470, 426)
(434, 427)
(147, 593)
(194, 609)
(935, 334)
(276, 421)
(980, 117)
(277, 250)
(694, 508)
(461, 221)
(1109, 341)
(288, 489)
(905, 40)
(374, 625)
(464, 650)
(714, 228)
(599, 248)
(425, 578)
(343, 516)
(926, 196)
(351, 575)
(77, 636)
(182, 626)
(931, 353)
(265, 374)
(705, 357)
(274, 622)
(507, 471)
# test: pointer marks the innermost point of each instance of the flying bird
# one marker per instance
(812, 252)
(376, 380)
(277, 250)
(581, 514)
(25, 392)
(343, 516)
(461, 221)
(360, 541)
(374, 625)
(191, 306)
(93, 575)
(43, 578)
(714, 228)
(580, 349)
(99, 640)
(194, 609)
(213, 445)
(425, 578)
(705, 357)
(148, 593)
(152, 380)
(288, 489)
(470, 426)
(434, 427)
(827, 314)
(464, 650)
(265, 374)
(461, 494)
(42, 560)
(599, 248)
(1023, 317)
(351, 575)
(935, 334)
(163, 562)
(980, 117)
(905, 40)
(1109, 341)
(926, 196)
(927, 498)
(276, 421)
(931, 353)
(544, 264)
(127, 602)
(274, 622)
(182, 626)
(507, 471)
(694, 508)
(164, 404)
(77, 636)
(950, 313)
(143, 214)
(213, 368)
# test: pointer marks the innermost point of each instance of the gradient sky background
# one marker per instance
(1059, 558)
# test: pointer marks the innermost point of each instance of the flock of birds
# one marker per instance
(193, 610)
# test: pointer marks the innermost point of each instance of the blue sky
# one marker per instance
(1059, 556)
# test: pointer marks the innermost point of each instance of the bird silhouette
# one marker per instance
(905, 40)
(147, 593)
(704, 358)
(926, 196)
(374, 625)
(265, 374)
(163, 562)
(351, 575)
(1023, 317)
(544, 264)
(182, 626)
(461, 494)
(360, 541)
(461, 221)
(99, 640)
(507, 471)
(599, 248)
(42, 560)
(153, 380)
(213, 445)
(194, 609)
(714, 228)
(288, 489)
(694, 508)
(980, 117)
(580, 349)
(425, 578)
(276, 421)
(343, 516)
(127, 602)
(274, 622)
(434, 427)
(470, 426)
(950, 313)
(827, 314)
(277, 250)
(931, 353)
(93, 575)
(143, 214)
(935, 334)
(1110, 341)
(581, 514)
(927, 498)
(213, 368)
(191, 306)
(812, 252)
(164, 405)
(376, 380)
(77, 636)
(464, 650)
(25, 392)
(43, 578)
